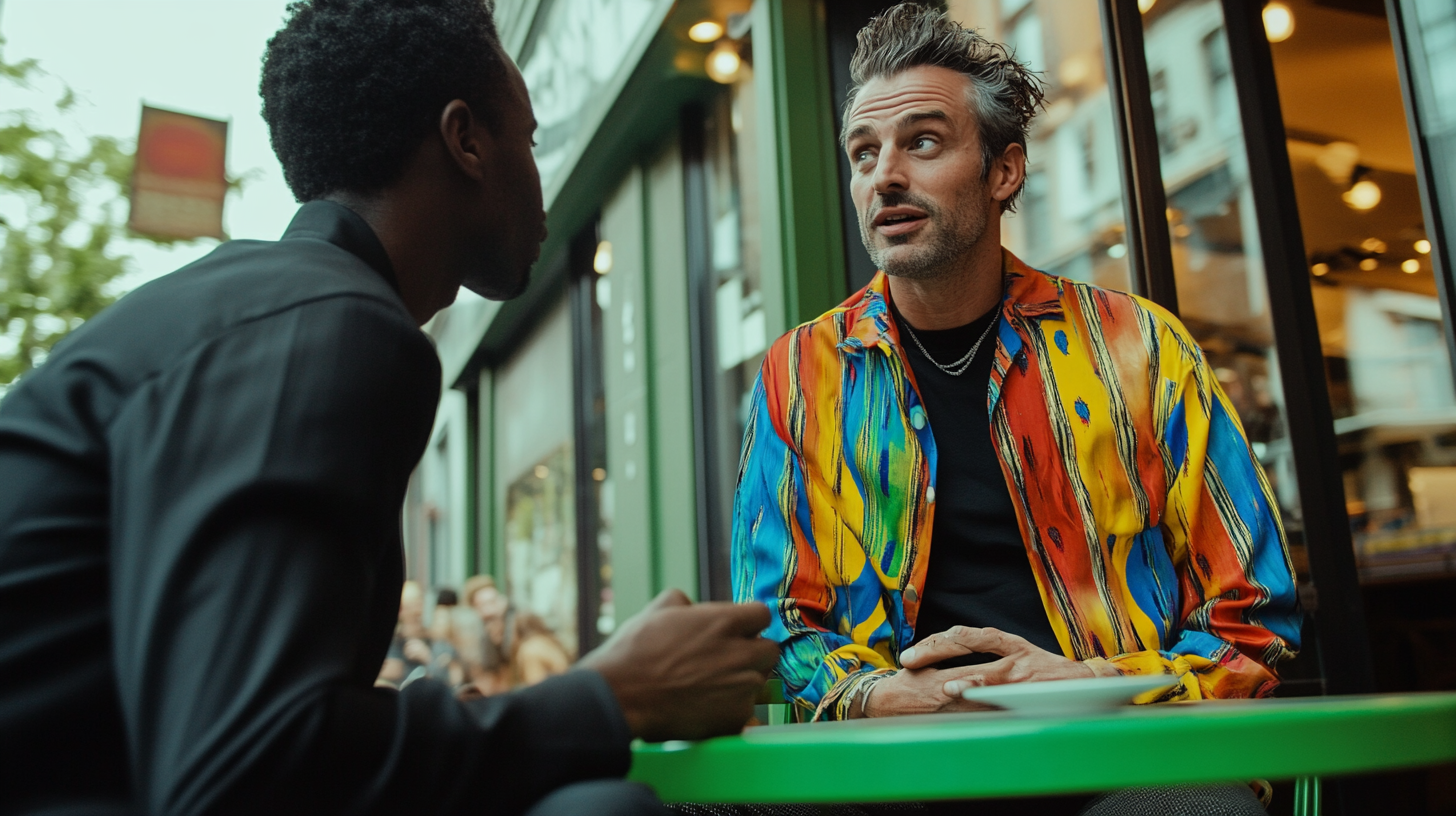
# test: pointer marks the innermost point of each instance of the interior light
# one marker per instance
(1373, 245)
(706, 31)
(1075, 70)
(1182, 231)
(1410, 266)
(1146, 5)
(723, 64)
(1117, 251)
(602, 261)
(542, 471)
(1278, 22)
(1423, 246)
(1320, 269)
(1369, 264)
(1363, 196)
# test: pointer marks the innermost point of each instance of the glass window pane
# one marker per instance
(1222, 293)
(534, 466)
(1374, 289)
(1070, 221)
(736, 299)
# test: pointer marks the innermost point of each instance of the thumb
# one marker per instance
(670, 598)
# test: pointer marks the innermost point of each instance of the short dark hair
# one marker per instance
(1005, 94)
(350, 87)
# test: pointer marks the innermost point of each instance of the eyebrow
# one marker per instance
(904, 123)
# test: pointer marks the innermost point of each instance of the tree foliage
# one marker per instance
(62, 214)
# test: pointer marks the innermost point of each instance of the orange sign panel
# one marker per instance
(180, 180)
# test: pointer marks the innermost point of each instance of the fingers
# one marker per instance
(957, 641)
(763, 655)
(953, 688)
(670, 597)
(937, 647)
(744, 620)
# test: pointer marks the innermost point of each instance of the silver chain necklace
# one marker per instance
(960, 366)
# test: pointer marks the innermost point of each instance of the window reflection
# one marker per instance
(1374, 288)
(1070, 221)
(1222, 294)
(736, 299)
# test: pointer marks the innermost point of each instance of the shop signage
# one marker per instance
(180, 181)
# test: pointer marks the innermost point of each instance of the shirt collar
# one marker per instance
(1027, 293)
(333, 222)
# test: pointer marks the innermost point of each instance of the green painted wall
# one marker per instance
(803, 259)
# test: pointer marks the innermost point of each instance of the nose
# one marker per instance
(890, 171)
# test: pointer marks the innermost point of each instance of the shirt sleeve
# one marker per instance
(774, 561)
(1239, 614)
(255, 566)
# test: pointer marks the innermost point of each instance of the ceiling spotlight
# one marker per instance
(602, 261)
(1370, 264)
(1410, 266)
(1117, 251)
(1423, 246)
(1146, 5)
(723, 64)
(1278, 22)
(706, 31)
(1373, 245)
(1338, 160)
(1320, 269)
(1364, 195)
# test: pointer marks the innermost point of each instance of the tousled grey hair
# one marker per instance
(1004, 94)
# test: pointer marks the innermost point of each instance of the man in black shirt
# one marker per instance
(200, 490)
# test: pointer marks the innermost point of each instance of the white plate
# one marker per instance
(1051, 698)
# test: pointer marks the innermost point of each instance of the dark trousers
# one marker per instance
(603, 797)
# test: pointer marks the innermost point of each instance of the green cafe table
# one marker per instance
(995, 754)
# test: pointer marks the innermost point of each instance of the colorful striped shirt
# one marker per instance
(1150, 527)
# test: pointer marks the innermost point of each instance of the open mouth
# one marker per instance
(898, 220)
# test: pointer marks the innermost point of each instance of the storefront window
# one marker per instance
(1374, 288)
(534, 463)
(1222, 293)
(1070, 221)
(736, 312)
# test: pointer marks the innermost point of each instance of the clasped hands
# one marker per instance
(919, 689)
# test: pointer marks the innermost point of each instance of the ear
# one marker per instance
(468, 142)
(1007, 172)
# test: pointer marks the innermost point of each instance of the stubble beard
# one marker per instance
(952, 236)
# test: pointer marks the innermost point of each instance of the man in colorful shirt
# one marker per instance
(1087, 504)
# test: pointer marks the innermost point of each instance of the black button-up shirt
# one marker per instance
(200, 560)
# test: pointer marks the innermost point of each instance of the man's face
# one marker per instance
(489, 604)
(917, 178)
(514, 220)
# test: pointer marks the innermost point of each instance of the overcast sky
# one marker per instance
(197, 56)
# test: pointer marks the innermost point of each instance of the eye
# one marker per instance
(922, 143)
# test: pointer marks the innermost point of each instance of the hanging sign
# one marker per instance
(180, 180)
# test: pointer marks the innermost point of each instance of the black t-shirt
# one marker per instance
(979, 574)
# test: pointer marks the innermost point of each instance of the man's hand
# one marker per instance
(1021, 662)
(687, 671)
(921, 690)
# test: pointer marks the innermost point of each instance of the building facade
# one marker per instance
(1280, 176)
